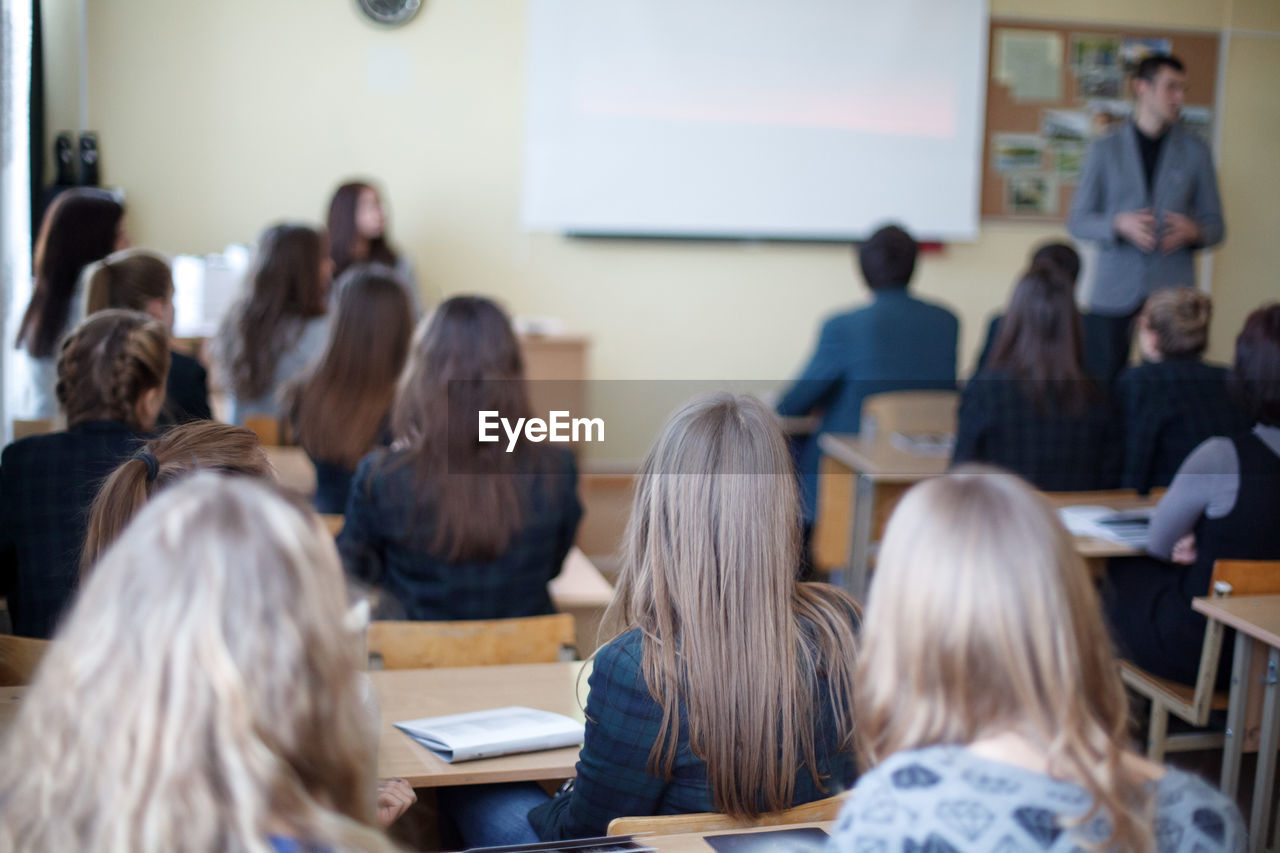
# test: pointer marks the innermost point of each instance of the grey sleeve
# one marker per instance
(1089, 219)
(1206, 484)
(1208, 205)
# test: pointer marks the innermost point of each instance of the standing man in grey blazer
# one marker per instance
(1148, 197)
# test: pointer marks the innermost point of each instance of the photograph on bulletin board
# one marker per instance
(1051, 90)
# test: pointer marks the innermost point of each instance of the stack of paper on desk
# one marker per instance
(500, 731)
(1128, 527)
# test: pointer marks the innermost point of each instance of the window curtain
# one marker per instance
(17, 184)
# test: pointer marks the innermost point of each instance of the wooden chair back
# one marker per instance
(19, 657)
(1193, 704)
(488, 642)
(267, 429)
(37, 426)
(909, 411)
(818, 810)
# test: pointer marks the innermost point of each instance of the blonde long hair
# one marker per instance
(983, 619)
(202, 694)
(710, 562)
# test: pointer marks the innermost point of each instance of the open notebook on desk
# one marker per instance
(500, 731)
(1128, 527)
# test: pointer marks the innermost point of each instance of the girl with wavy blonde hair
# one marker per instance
(203, 693)
(989, 701)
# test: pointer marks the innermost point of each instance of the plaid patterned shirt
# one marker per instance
(1168, 409)
(998, 424)
(384, 541)
(47, 484)
(623, 722)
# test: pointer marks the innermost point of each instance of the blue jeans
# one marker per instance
(492, 815)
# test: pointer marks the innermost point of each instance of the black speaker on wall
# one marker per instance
(88, 159)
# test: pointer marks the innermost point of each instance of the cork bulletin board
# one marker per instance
(1051, 88)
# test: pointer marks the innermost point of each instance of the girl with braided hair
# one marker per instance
(111, 381)
(143, 281)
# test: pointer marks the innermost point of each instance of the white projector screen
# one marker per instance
(787, 119)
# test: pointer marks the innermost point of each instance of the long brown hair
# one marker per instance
(287, 286)
(343, 233)
(1040, 342)
(464, 360)
(984, 621)
(108, 362)
(203, 693)
(80, 227)
(339, 408)
(174, 456)
(709, 568)
(128, 279)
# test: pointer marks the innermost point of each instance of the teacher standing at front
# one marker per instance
(1148, 197)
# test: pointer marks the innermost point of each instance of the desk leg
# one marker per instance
(1236, 708)
(1267, 743)
(855, 580)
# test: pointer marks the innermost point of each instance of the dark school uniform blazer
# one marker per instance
(623, 723)
(47, 484)
(385, 538)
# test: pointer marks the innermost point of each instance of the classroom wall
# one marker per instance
(218, 118)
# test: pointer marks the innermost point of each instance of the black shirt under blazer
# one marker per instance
(47, 484)
(1168, 409)
(998, 423)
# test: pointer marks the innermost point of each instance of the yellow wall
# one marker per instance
(220, 117)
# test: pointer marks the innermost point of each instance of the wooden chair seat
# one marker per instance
(19, 658)
(1170, 692)
(486, 642)
(818, 810)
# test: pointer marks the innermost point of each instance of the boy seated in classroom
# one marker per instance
(896, 343)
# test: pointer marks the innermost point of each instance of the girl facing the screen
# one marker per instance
(204, 693)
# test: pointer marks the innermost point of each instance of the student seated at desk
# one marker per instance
(990, 709)
(728, 684)
(204, 694)
(159, 464)
(340, 408)
(142, 281)
(275, 331)
(111, 377)
(1173, 400)
(1222, 504)
(1101, 361)
(896, 343)
(1032, 410)
(450, 526)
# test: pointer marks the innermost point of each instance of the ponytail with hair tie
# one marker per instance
(153, 465)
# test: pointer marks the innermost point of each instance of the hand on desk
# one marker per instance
(394, 798)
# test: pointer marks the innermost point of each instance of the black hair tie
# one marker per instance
(153, 465)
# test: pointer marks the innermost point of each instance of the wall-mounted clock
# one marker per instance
(391, 13)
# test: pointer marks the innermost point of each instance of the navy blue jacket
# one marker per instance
(47, 484)
(384, 536)
(623, 722)
(1170, 407)
(897, 343)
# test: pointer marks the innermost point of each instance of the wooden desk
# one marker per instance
(1256, 619)
(294, 469)
(695, 842)
(882, 473)
(408, 694)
